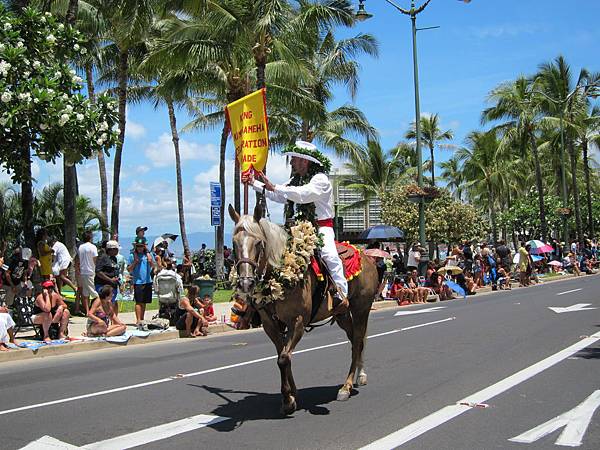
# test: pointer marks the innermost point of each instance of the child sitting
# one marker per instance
(102, 320)
(209, 310)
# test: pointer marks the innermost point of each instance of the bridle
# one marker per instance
(260, 267)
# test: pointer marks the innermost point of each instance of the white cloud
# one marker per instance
(162, 154)
(134, 129)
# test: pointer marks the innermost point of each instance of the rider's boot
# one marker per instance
(340, 303)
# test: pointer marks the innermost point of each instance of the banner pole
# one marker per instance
(245, 199)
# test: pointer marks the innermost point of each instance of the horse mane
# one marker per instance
(273, 235)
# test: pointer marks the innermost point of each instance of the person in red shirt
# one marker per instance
(209, 310)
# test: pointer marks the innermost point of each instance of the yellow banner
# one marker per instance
(247, 119)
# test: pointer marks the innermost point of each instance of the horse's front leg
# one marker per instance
(273, 330)
(295, 332)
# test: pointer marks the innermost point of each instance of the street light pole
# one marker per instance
(413, 18)
(412, 12)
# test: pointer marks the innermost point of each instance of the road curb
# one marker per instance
(84, 346)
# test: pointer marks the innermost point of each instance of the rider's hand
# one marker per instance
(268, 185)
(248, 178)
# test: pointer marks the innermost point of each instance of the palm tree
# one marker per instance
(430, 136)
(372, 173)
(453, 176)
(515, 102)
(128, 25)
(482, 171)
(556, 80)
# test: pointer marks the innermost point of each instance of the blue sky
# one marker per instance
(477, 46)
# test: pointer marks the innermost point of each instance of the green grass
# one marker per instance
(220, 296)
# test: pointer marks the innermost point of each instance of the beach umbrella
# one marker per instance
(555, 263)
(536, 258)
(456, 288)
(166, 237)
(382, 233)
(538, 247)
(376, 253)
(452, 270)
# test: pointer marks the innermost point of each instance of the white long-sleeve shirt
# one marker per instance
(318, 191)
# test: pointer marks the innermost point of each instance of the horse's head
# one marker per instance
(249, 244)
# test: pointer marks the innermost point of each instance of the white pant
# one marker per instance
(6, 322)
(332, 260)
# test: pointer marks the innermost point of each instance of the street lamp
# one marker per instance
(412, 12)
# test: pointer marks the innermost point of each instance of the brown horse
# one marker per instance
(259, 245)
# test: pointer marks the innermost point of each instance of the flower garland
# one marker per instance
(294, 263)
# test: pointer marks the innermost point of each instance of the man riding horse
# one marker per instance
(309, 195)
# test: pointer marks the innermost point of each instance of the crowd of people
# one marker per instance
(469, 266)
(103, 277)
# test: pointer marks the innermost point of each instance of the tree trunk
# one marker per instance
(175, 138)
(576, 204)
(27, 201)
(122, 93)
(219, 257)
(540, 188)
(101, 161)
(492, 212)
(70, 187)
(305, 131)
(72, 10)
(588, 189)
(431, 150)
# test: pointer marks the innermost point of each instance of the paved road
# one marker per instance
(515, 364)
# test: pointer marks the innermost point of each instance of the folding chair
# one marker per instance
(23, 315)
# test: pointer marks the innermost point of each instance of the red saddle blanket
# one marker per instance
(350, 257)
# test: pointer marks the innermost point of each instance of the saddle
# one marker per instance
(350, 257)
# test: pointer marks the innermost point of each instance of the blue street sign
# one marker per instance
(215, 216)
(215, 194)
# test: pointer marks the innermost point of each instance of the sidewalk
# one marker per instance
(77, 327)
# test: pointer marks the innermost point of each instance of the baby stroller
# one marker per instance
(167, 287)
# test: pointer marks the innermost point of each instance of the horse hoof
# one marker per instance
(288, 409)
(343, 395)
(361, 380)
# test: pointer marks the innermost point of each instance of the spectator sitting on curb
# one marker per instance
(7, 326)
(60, 310)
(42, 313)
(209, 310)
(238, 313)
(189, 317)
(102, 320)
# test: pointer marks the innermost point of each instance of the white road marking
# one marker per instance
(419, 311)
(131, 440)
(575, 421)
(568, 292)
(447, 413)
(572, 308)
(202, 372)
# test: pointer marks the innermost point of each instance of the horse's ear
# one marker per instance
(258, 212)
(235, 216)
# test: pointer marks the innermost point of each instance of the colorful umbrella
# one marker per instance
(555, 263)
(382, 233)
(376, 253)
(453, 270)
(538, 247)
